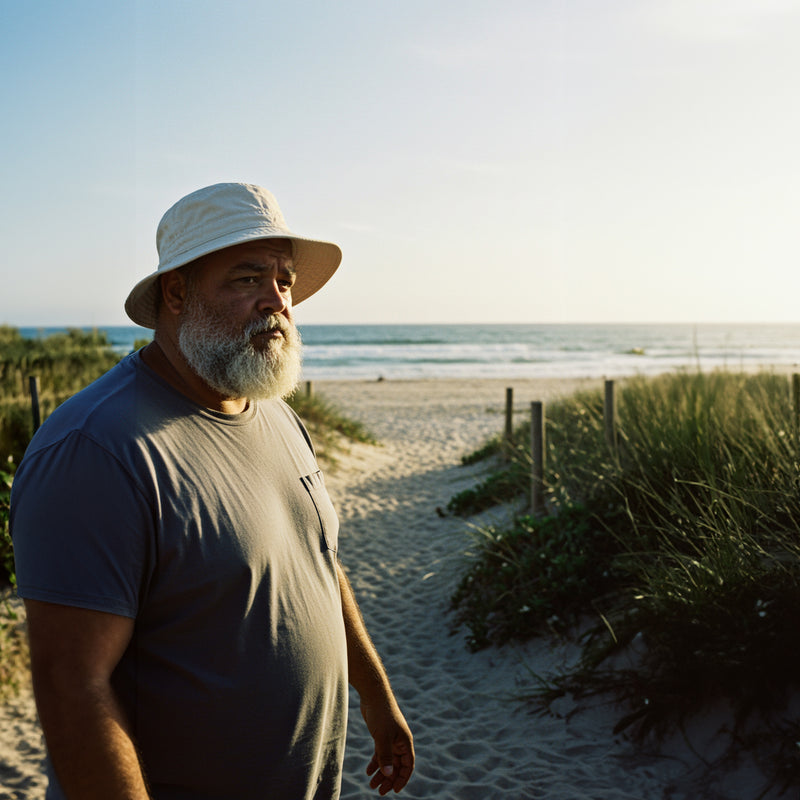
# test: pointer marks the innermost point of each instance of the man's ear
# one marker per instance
(173, 291)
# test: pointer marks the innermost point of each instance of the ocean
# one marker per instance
(393, 352)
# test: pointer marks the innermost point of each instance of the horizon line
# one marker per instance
(131, 324)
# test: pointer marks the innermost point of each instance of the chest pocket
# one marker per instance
(315, 486)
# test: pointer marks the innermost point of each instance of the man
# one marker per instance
(191, 629)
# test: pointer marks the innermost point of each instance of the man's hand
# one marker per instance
(392, 762)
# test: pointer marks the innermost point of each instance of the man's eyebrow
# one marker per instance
(285, 267)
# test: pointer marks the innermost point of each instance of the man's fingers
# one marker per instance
(383, 776)
(384, 755)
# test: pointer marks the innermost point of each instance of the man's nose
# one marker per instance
(273, 300)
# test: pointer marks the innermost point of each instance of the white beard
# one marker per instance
(230, 364)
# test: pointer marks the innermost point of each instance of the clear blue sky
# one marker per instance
(477, 160)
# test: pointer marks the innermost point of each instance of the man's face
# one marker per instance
(236, 329)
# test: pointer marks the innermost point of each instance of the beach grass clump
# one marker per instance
(63, 362)
(14, 651)
(329, 427)
(501, 486)
(537, 575)
(682, 539)
(574, 424)
(13, 643)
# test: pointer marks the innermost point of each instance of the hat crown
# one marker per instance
(220, 216)
(214, 212)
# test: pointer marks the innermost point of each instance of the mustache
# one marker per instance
(272, 323)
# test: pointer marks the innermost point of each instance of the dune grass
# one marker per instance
(329, 428)
(64, 364)
(13, 643)
(684, 541)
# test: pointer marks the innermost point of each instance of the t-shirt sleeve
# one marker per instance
(81, 529)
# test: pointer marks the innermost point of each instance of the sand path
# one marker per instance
(473, 740)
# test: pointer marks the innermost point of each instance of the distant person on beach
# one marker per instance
(192, 631)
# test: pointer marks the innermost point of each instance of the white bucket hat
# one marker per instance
(219, 216)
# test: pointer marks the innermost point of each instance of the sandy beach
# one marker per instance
(474, 739)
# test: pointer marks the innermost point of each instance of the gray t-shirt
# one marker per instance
(216, 534)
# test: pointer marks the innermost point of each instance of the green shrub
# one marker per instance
(499, 487)
(538, 576)
(696, 514)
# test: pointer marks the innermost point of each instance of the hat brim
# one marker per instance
(315, 262)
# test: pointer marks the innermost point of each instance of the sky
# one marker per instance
(478, 161)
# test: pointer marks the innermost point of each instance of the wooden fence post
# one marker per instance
(609, 417)
(309, 389)
(509, 432)
(33, 383)
(537, 457)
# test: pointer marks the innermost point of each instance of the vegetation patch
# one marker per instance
(13, 642)
(499, 487)
(6, 554)
(14, 654)
(329, 427)
(682, 539)
(539, 575)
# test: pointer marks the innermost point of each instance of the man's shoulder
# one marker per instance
(98, 409)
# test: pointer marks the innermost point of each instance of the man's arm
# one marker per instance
(73, 653)
(393, 760)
